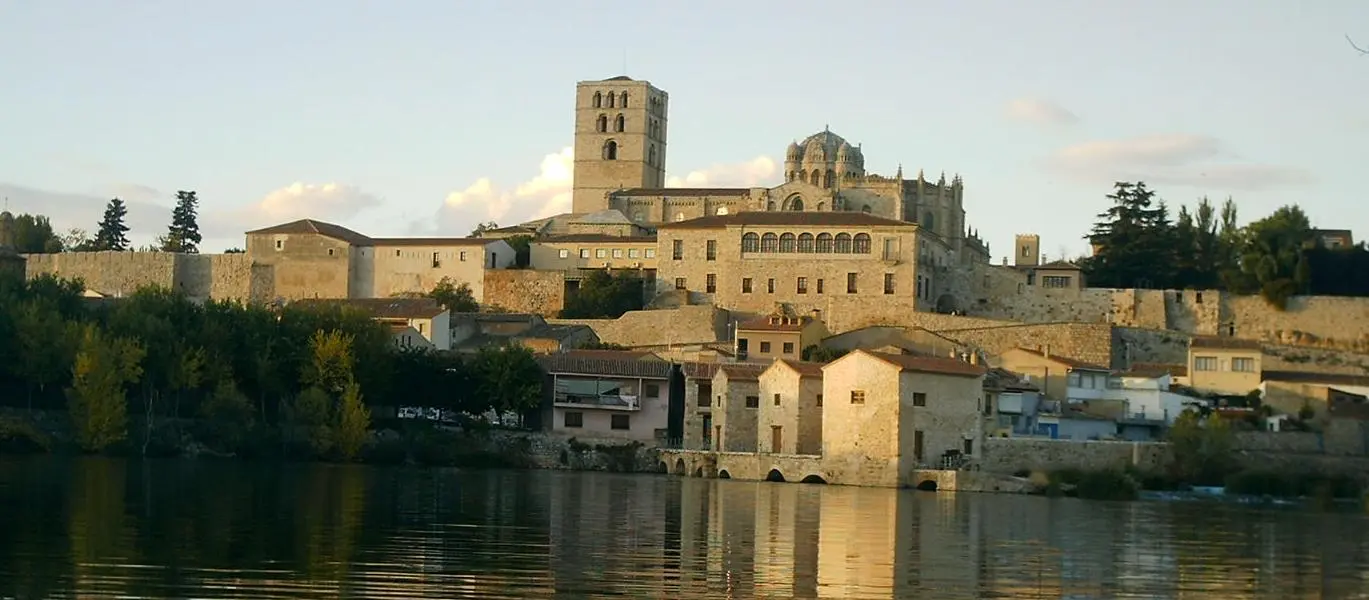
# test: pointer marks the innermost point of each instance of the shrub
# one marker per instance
(1106, 485)
(19, 436)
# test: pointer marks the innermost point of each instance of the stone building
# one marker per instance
(782, 334)
(737, 399)
(620, 139)
(789, 420)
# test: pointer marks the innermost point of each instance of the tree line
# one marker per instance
(1138, 243)
(251, 379)
(33, 234)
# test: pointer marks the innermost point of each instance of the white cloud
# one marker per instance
(1040, 112)
(548, 193)
(1177, 159)
(325, 201)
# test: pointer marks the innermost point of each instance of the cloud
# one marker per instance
(324, 201)
(1039, 112)
(548, 193)
(69, 210)
(1176, 159)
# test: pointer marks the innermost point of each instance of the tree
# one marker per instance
(483, 227)
(522, 250)
(75, 240)
(604, 296)
(1132, 238)
(822, 354)
(97, 401)
(507, 380)
(235, 250)
(455, 298)
(331, 366)
(33, 235)
(112, 233)
(1201, 448)
(1270, 252)
(45, 351)
(353, 422)
(184, 233)
(230, 416)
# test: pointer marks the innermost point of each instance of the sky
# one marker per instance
(425, 117)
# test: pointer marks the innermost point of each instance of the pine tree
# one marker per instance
(112, 234)
(184, 233)
(1133, 240)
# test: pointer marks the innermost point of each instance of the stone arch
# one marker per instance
(946, 304)
(787, 242)
(929, 221)
(794, 203)
(602, 125)
(723, 474)
(610, 150)
(814, 478)
(775, 475)
(842, 243)
(680, 468)
(926, 485)
(610, 99)
(623, 99)
(662, 467)
(598, 100)
(865, 209)
(828, 179)
(751, 242)
(698, 471)
(679, 216)
(824, 243)
(722, 210)
(822, 205)
(619, 124)
(770, 243)
(860, 244)
(806, 243)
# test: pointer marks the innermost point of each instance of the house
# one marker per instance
(698, 404)
(610, 394)
(405, 337)
(1333, 239)
(574, 253)
(1059, 378)
(1074, 424)
(473, 331)
(781, 334)
(1293, 391)
(1011, 403)
(737, 399)
(789, 420)
(886, 415)
(1224, 365)
(424, 315)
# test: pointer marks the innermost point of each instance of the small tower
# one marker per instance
(11, 263)
(1028, 251)
(620, 140)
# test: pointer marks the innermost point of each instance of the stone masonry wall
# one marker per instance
(683, 325)
(540, 292)
(1089, 342)
(220, 276)
(1008, 455)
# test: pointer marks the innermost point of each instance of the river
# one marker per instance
(105, 528)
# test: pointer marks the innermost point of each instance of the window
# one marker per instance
(602, 125)
(819, 399)
(679, 283)
(842, 243)
(280, 244)
(789, 347)
(770, 243)
(619, 124)
(765, 347)
(787, 242)
(802, 285)
(888, 283)
(617, 253)
(770, 286)
(711, 250)
(969, 446)
(1204, 363)
(563, 254)
(610, 150)
(584, 253)
(600, 253)
(330, 252)
(777, 399)
(824, 243)
(890, 248)
(677, 249)
(851, 283)
(622, 99)
(610, 100)
(705, 394)
(710, 283)
(573, 419)
(753, 401)
(919, 399)
(1055, 281)
(621, 422)
(917, 444)
(1243, 365)
(819, 286)
(861, 243)
(751, 243)
(857, 396)
(598, 100)
(805, 243)
(633, 253)
(651, 253)
(1075, 379)
(653, 390)
(746, 285)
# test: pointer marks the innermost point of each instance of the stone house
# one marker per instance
(699, 403)
(600, 394)
(885, 416)
(778, 335)
(1224, 365)
(574, 253)
(314, 259)
(424, 315)
(1060, 378)
(789, 420)
(737, 400)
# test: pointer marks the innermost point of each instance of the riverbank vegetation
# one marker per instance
(157, 374)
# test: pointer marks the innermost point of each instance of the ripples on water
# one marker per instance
(98, 528)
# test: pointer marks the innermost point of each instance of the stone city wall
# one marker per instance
(1089, 342)
(683, 325)
(219, 276)
(541, 292)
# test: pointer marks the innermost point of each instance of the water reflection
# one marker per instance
(103, 528)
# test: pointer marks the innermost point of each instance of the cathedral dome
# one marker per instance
(825, 146)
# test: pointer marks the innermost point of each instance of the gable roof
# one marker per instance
(787, 218)
(699, 370)
(384, 308)
(579, 363)
(803, 368)
(436, 241)
(742, 371)
(1072, 363)
(336, 232)
(929, 364)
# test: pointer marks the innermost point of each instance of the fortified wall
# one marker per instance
(684, 325)
(540, 292)
(201, 276)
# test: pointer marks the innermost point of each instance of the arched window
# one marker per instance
(770, 242)
(598, 100)
(618, 123)
(828, 180)
(770, 205)
(861, 243)
(622, 97)
(610, 150)
(821, 206)
(787, 242)
(651, 155)
(805, 243)
(824, 243)
(603, 124)
(751, 243)
(794, 203)
(610, 99)
(816, 177)
(842, 244)
(865, 209)
(929, 221)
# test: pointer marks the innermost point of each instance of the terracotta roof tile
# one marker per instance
(803, 368)
(1072, 363)
(570, 363)
(336, 232)
(929, 364)
(777, 218)
(700, 370)
(742, 371)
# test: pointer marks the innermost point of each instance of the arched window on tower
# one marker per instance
(842, 244)
(598, 100)
(603, 124)
(816, 178)
(822, 206)
(619, 123)
(824, 245)
(828, 180)
(610, 150)
(770, 242)
(622, 97)
(651, 155)
(751, 243)
(805, 243)
(861, 243)
(610, 99)
(787, 242)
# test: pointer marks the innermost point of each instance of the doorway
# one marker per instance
(776, 439)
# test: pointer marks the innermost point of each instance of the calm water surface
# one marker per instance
(98, 528)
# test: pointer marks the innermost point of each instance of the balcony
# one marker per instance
(604, 401)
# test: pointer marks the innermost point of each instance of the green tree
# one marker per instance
(604, 296)
(522, 250)
(184, 233)
(1270, 252)
(353, 422)
(481, 228)
(312, 410)
(112, 233)
(1131, 239)
(44, 343)
(97, 401)
(1201, 448)
(235, 250)
(76, 240)
(331, 366)
(508, 380)
(455, 298)
(822, 354)
(229, 417)
(33, 235)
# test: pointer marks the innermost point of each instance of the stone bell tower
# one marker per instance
(620, 140)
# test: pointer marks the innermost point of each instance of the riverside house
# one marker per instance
(599, 394)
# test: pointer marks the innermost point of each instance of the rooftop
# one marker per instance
(787, 218)
(579, 363)
(338, 232)
(384, 308)
(599, 238)
(803, 368)
(1072, 363)
(743, 371)
(682, 192)
(1224, 343)
(929, 364)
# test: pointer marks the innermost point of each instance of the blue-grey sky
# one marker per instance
(430, 115)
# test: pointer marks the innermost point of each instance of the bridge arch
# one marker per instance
(662, 467)
(813, 478)
(723, 474)
(775, 475)
(680, 468)
(926, 485)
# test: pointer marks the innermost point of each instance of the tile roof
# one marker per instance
(1224, 343)
(778, 218)
(803, 368)
(384, 308)
(571, 363)
(699, 370)
(336, 232)
(929, 364)
(435, 241)
(1072, 363)
(614, 354)
(677, 192)
(1005, 380)
(742, 371)
(597, 237)
(604, 217)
